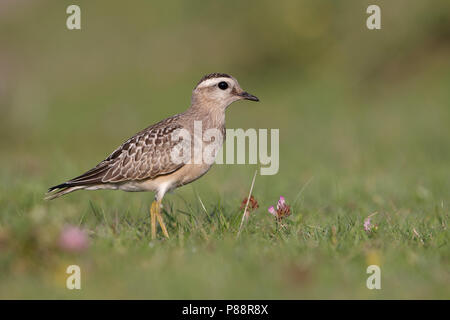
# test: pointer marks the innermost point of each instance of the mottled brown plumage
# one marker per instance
(146, 155)
(143, 162)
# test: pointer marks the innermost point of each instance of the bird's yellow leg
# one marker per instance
(160, 218)
(153, 219)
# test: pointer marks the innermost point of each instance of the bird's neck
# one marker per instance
(210, 116)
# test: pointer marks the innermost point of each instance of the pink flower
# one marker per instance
(272, 211)
(283, 210)
(73, 239)
(281, 202)
(367, 224)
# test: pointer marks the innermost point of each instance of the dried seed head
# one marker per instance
(252, 204)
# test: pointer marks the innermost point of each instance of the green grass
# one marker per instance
(339, 173)
(322, 253)
(364, 127)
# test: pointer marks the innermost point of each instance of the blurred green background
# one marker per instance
(364, 126)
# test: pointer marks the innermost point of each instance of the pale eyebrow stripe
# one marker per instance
(213, 81)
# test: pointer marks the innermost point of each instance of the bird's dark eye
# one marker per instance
(223, 85)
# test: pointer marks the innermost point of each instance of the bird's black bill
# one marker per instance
(248, 96)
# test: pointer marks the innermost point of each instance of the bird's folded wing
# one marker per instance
(144, 156)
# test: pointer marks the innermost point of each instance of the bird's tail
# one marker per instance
(60, 190)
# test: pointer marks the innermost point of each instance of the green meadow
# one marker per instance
(364, 127)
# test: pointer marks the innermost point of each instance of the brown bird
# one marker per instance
(146, 161)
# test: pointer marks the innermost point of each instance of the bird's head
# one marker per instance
(219, 90)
